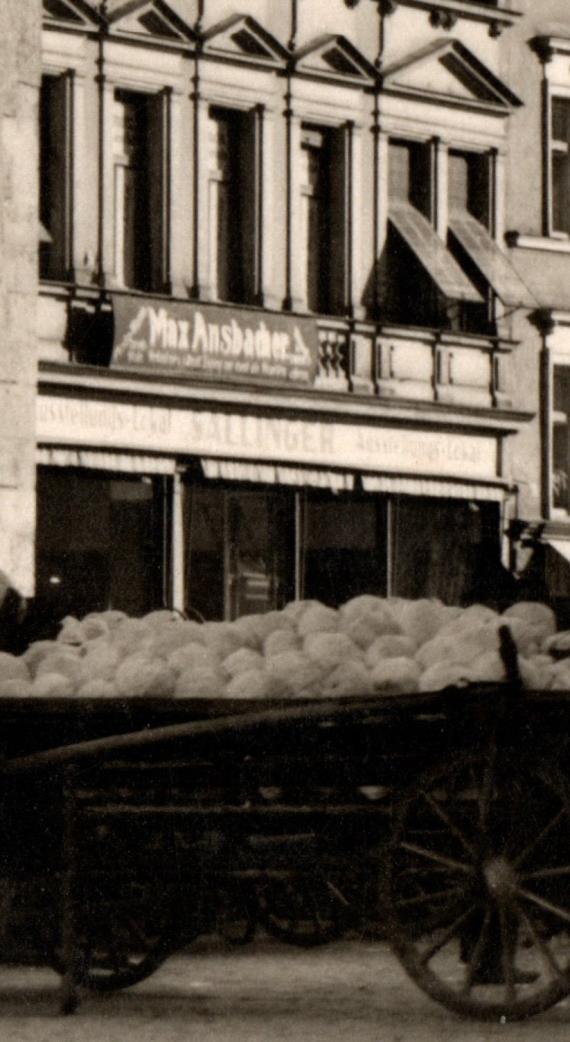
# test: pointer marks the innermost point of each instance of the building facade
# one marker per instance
(292, 334)
(20, 29)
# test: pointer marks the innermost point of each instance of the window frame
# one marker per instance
(554, 92)
(58, 266)
(251, 290)
(335, 299)
(159, 280)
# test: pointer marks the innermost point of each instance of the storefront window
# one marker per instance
(448, 549)
(343, 547)
(240, 556)
(100, 542)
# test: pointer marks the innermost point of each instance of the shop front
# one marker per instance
(221, 508)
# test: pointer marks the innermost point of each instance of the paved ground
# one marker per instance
(267, 992)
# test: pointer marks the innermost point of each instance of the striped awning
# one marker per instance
(275, 474)
(94, 459)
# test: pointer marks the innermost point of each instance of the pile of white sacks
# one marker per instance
(370, 645)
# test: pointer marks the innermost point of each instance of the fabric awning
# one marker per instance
(493, 264)
(94, 459)
(432, 253)
(275, 474)
(415, 486)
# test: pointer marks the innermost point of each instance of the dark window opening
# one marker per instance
(140, 192)
(54, 178)
(234, 212)
(343, 547)
(409, 295)
(560, 166)
(101, 542)
(561, 438)
(326, 218)
(469, 192)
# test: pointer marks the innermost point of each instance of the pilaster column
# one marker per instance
(179, 215)
(441, 187)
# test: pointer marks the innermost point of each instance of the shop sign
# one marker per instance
(222, 343)
(231, 435)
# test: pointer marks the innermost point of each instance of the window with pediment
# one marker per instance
(139, 190)
(233, 203)
(324, 216)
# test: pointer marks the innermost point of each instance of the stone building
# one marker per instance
(20, 27)
(284, 348)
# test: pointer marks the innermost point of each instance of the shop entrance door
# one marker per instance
(259, 551)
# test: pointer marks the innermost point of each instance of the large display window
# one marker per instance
(101, 542)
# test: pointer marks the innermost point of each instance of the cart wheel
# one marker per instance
(305, 911)
(477, 887)
(121, 945)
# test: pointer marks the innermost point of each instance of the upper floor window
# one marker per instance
(140, 190)
(421, 281)
(55, 177)
(233, 204)
(470, 206)
(325, 217)
(560, 484)
(559, 166)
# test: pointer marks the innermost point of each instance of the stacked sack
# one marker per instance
(370, 645)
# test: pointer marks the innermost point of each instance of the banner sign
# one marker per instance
(224, 343)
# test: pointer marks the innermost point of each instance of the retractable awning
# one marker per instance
(493, 264)
(432, 253)
(94, 459)
(275, 474)
(416, 486)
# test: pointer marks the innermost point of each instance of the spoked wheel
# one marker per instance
(306, 911)
(477, 887)
(122, 943)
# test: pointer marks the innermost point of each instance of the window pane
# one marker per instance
(344, 548)
(53, 176)
(560, 437)
(139, 191)
(233, 177)
(561, 119)
(325, 218)
(99, 543)
(204, 531)
(560, 192)
(458, 181)
(261, 538)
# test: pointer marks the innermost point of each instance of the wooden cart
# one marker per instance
(128, 825)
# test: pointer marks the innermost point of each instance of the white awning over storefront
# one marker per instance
(412, 486)
(94, 459)
(275, 474)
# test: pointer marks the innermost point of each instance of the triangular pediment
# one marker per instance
(334, 57)
(151, 20)
(447, 69)
(242, 38)
(73, 14)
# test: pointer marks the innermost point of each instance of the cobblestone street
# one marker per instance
(263, 993)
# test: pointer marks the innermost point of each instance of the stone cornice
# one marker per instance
(445, 13)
